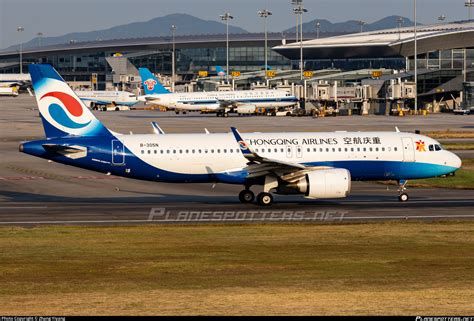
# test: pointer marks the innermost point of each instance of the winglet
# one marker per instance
(157, 129)
(244, 147)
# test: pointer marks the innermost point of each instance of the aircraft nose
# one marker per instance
(455, 161)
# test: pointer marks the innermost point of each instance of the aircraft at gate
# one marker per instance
(221, 102)
(315, 165)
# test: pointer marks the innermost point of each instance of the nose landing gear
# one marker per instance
(403, 196)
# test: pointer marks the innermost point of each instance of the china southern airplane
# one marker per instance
(222, 102)
(315, 165)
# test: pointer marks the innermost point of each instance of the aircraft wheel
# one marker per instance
(226, 115)
(264, 199)
(246, 196)
(403, 197)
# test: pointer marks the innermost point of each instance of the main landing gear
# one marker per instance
(402, 197)
(263, 199)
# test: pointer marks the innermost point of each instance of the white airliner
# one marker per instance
(9, 80)
(97, 98)
(221, 102)
(316, 165)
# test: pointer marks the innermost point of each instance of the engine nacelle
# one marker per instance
(325, 183)
(246, 109)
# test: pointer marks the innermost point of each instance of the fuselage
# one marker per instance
(201, 158)
(122, 98)
(213, 100)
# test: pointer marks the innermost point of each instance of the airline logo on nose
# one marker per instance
(420, 146)
(150, 83)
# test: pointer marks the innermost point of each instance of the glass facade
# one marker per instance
(79, 66)
(444, 59)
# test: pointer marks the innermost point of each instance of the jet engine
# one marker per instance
(324, 183)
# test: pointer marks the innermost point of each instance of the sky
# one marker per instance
(58, 17)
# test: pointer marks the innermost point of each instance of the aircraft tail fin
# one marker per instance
(220, 71)
(151, 85)
(62, 112)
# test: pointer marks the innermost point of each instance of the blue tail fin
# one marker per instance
(62, 112)
(151, 85)
(220, 71)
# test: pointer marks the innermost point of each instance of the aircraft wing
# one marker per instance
(258, 166)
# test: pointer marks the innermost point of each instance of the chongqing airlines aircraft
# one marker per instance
(315, 165)
(221, 102)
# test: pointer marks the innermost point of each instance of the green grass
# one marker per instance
(459, 146)
(450, 134)
(387, 268)
(464, 178)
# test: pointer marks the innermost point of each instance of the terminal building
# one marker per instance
(445, 58)
(77, 61)
(376, 68)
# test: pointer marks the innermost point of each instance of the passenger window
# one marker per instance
(143, 152)
(395, 148)
(308, 150)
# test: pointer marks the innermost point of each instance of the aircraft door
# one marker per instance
(408, 150)
(118, 153)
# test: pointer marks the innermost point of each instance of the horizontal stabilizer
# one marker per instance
(73, 151)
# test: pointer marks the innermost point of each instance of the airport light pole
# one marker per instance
(416, 56)
(469, 4)
(20, 29)
(299, 10)
(226, 17)
(39, 34)
(318, 29)
(361, 23)
(264, 13)
(400, 23)
(173, 58)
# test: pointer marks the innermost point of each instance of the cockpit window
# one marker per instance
(431, 147)
(437, 147)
